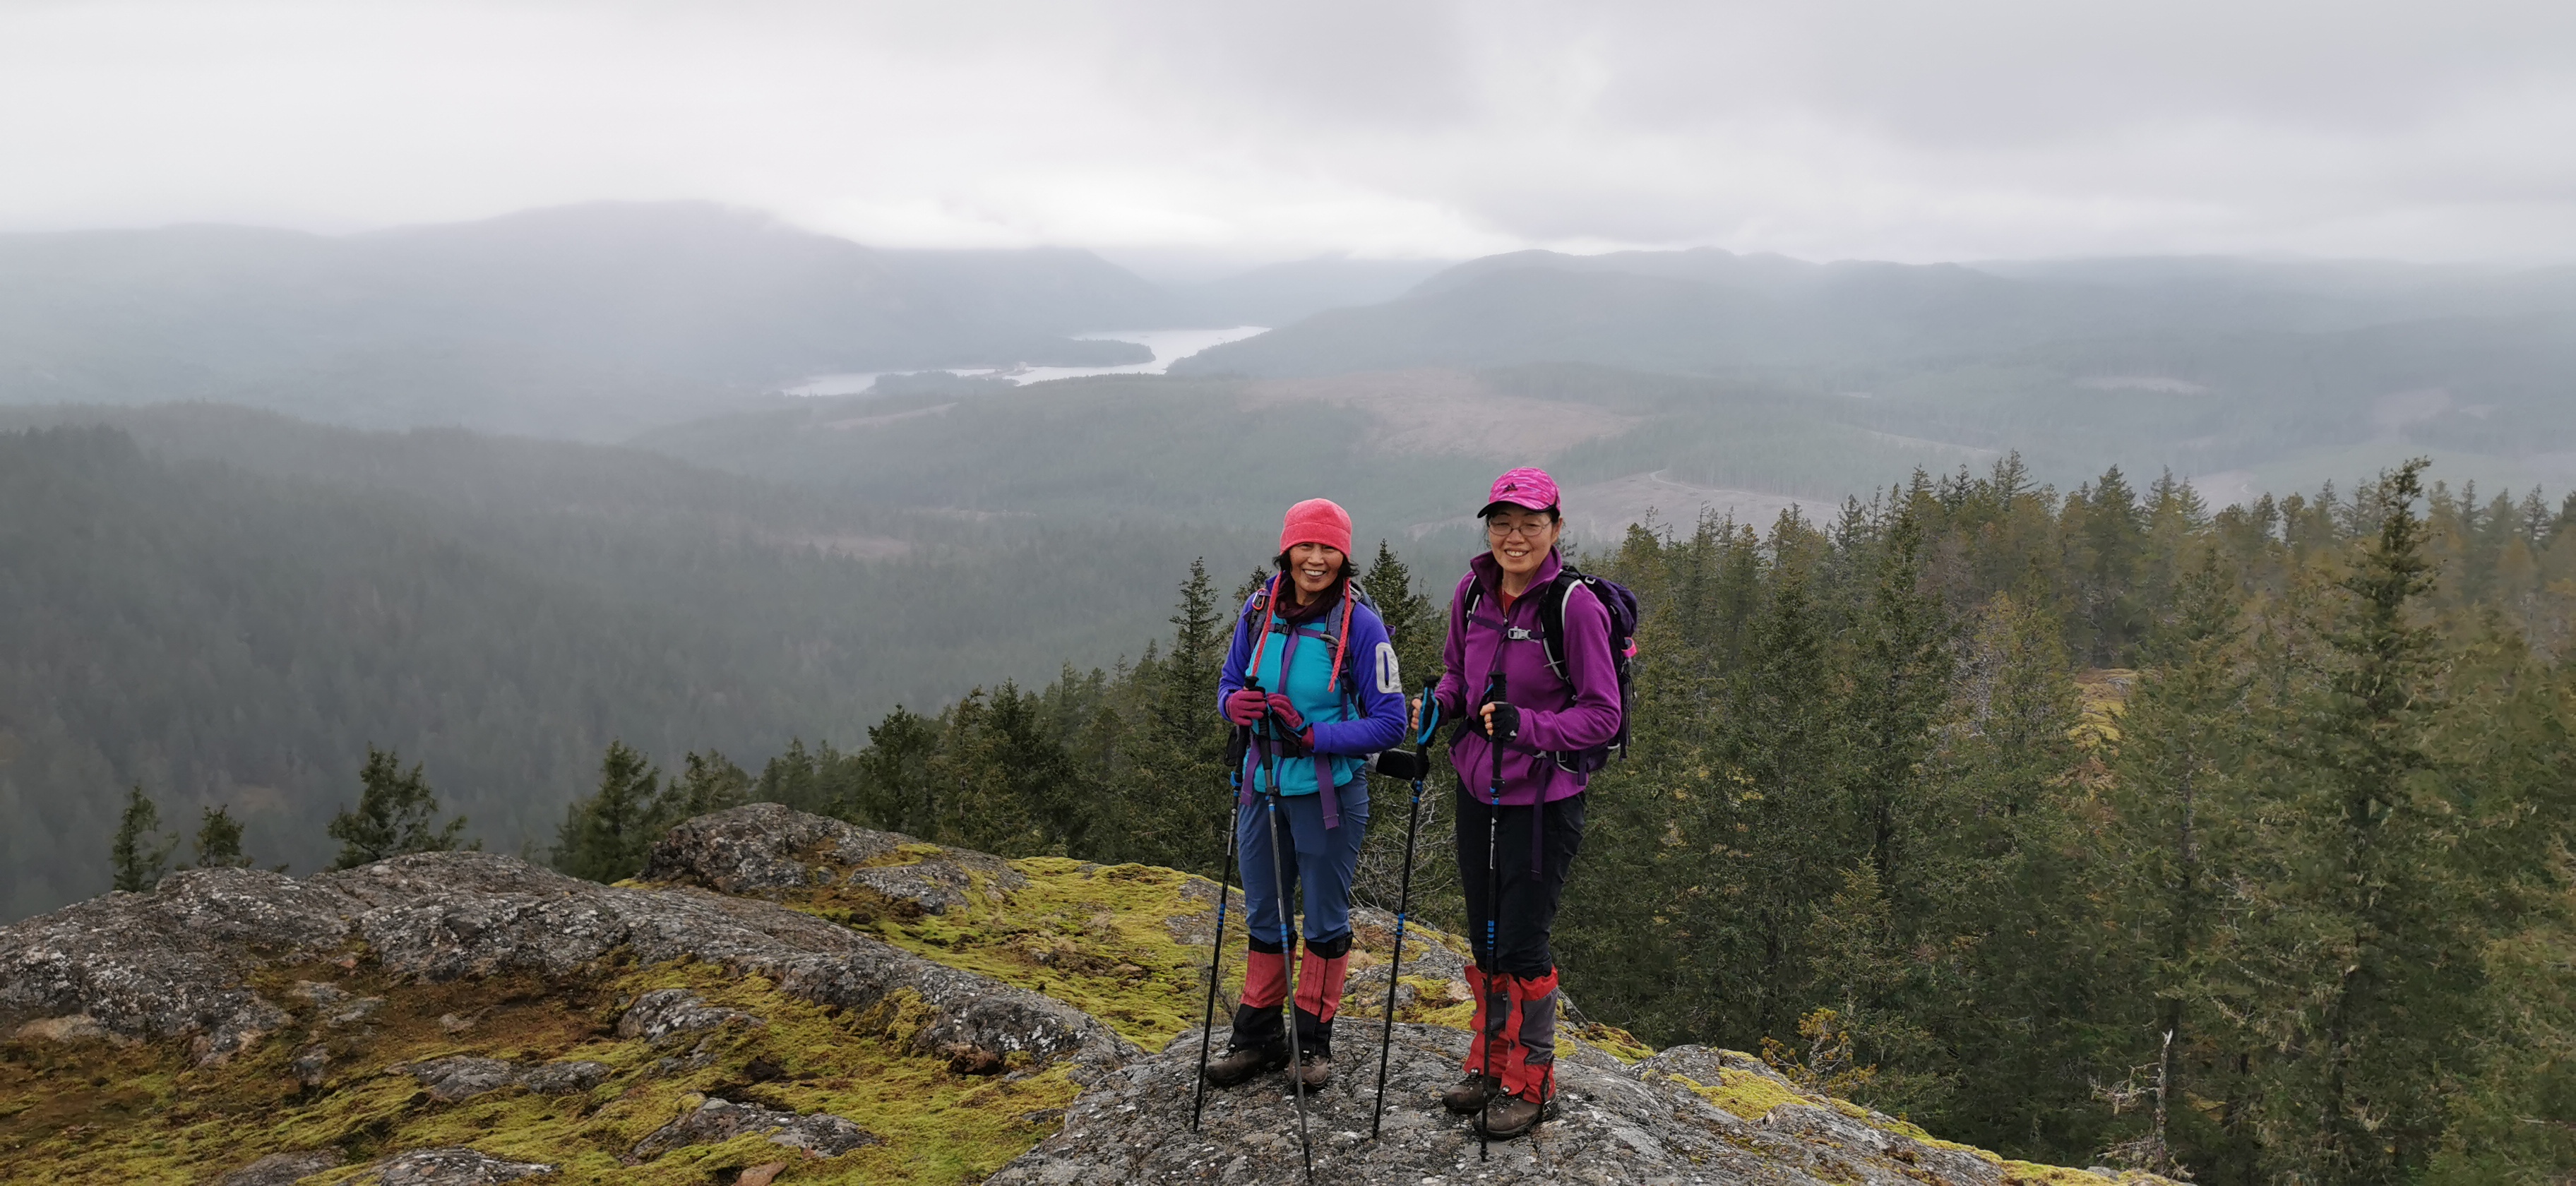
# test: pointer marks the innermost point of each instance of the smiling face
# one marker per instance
(1313, 567)
(1520, 539)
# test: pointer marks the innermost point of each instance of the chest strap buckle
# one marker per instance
(1521, 634)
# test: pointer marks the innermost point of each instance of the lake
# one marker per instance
(1169, 346)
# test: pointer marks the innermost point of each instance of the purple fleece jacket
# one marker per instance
(1555, 714)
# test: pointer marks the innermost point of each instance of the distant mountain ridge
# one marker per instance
(1709, 311)
(581, 320)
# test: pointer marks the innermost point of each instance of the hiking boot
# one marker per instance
(1243, 1062)
(1471, 1093)
(1314, 1072)
(1510, 1116)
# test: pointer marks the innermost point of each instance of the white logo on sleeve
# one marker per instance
(1389, 680)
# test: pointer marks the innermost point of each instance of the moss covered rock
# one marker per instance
(785, 998)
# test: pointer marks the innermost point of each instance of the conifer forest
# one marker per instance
(2232, 843)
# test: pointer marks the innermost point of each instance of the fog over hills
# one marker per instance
(603, 321)
(581, 321)
(707, 562)
(1707, 310)
(2245, 371)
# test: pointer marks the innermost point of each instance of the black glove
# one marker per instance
(1401, 764)
(1507, 722)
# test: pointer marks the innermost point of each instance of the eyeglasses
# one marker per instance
(1496, 529)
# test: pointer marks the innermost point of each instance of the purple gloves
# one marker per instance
(1294, 722)
(1248, 707)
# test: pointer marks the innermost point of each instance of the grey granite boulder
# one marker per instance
(282, 1169)
(452, 1167)
(668, 1013)
(1614, 1123)
(822, 1134)
(175, 963)
(764, 849)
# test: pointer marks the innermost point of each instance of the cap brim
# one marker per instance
(1491, 507)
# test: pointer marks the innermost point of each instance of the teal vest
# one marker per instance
(1311, 687)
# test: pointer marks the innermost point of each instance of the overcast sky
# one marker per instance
(1902, 130)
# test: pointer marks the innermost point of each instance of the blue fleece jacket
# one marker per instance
(1347, 729)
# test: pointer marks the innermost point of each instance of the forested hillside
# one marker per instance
(2092, 826)
(1959, 798)
(233, 614)
(1407, 449)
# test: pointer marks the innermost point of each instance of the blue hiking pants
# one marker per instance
(1327, 858)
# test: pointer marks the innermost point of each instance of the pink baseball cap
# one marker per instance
(1523, 487)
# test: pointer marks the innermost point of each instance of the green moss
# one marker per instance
(1437, 1002)
(1744, 1093)
(95, 1111)
(1610, 1040)
(2019, 1173)
(1099, 938)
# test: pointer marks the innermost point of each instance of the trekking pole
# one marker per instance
(1288, 949)
(1216, 946)
(1493, 912)
(1404, 894)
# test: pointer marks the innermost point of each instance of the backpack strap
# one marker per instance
(1551, 617)
(1342, 676)
(1260, 610)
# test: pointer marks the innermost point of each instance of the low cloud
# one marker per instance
(1884, 130)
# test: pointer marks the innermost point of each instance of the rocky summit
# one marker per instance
(787, 998)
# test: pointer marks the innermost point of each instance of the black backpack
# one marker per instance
(1622, 606)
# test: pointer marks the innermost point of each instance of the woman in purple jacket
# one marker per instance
(1494, 629)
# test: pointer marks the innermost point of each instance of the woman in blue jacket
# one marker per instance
(1313, 677)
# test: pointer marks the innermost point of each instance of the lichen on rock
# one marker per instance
(464, 1076)
(716, 1120)
(452, 1167)
(892, 1011)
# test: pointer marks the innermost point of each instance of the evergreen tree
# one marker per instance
(709, 782)
(896, 791)
(821, 780)
(219, 840)
(1898, 684)
(2372, 954)
(606, 835)
(2107, 537)
(1417, 625)
(1175, 766)
(139, 857)
(1784, 786)
(1018, 792)
(2177, 813)
(394, 815)
(2000, 877)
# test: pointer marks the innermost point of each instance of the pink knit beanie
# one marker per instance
(1317, 521)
